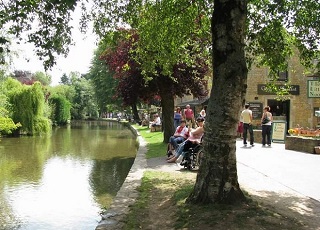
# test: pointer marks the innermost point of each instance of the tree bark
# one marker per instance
(217, 179)
(135, 113)
(167, 104)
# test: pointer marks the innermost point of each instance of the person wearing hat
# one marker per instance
(195, 138)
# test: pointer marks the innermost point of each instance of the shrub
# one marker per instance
(7, 126)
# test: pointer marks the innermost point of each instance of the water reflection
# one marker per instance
(64, 180)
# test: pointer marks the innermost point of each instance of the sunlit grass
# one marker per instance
(156, 146)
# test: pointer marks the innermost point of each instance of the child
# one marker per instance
(240, 129)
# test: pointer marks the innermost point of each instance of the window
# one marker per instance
(282, 75)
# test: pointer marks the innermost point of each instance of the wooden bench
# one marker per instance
(157, 128)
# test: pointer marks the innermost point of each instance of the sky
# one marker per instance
(78, 59)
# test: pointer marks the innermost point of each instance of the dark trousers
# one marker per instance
(189, 145)
(246, 128)
(266, 133)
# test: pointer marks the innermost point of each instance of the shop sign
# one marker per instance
(257, 110)
(279, 131)
(313, 88)
(292, 89)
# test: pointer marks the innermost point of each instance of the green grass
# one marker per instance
(140, 208)
(156, 185)
(156, 146)
(155, 188)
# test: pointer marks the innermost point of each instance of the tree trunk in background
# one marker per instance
(167, 104)
(135, 113)
(217, 180)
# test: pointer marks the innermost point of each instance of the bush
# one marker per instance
(7, 126)
(60, 110)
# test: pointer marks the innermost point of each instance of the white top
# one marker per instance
(269, 115)
(241, 118)
(246, 116)
(157, 121)
(182, 132)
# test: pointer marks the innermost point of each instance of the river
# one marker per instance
(63, 180)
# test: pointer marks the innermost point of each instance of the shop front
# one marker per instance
(298, 108)
(297, 105)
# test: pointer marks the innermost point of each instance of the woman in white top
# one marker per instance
(266, 126)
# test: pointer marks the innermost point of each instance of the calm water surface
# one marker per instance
(63, 180)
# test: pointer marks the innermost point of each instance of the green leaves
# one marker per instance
(277, 28)
(60, 110)
(46, 23)
(166, 29)
(7, 126)
(27, 106)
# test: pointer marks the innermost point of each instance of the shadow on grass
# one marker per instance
(268, 211)
(164, 192)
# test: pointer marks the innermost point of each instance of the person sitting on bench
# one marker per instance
(155, 122)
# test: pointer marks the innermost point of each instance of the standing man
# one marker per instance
(188, 115)
(247, 125)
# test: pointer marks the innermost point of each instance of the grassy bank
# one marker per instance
(161, 204)
(156, 146)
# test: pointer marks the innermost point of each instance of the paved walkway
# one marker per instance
(285, 179)
(287, 170)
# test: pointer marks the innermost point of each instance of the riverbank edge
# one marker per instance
(127, 195)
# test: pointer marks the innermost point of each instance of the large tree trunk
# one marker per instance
(217, 180)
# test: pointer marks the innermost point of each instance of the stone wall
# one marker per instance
(257, 136)
(301, 144)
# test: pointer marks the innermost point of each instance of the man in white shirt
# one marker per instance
(246, 116)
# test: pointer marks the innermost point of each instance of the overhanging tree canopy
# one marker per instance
(253, 26)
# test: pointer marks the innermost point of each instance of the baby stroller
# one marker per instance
(192, 158)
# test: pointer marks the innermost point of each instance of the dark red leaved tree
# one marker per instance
(185, 79)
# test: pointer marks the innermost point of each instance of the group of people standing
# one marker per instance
(245, 126)
(188, 115)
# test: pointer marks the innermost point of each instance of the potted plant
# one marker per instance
(291, 132)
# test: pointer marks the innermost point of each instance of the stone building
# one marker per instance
(297, 108)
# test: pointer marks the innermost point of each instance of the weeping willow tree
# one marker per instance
(7, 126)
(61, 107)
(28, 108)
